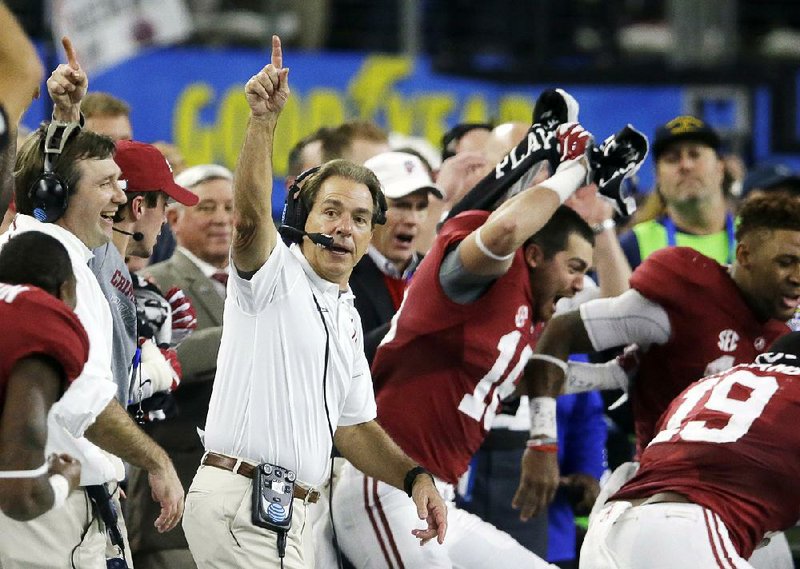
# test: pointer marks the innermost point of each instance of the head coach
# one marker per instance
(292, 377)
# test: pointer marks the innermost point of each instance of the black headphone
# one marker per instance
(295, 213)
(49, 193)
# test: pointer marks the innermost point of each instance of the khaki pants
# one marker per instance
(219, 528)
(67, 537)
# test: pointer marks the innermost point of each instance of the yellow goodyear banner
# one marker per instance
(372, 92)
(194, 98)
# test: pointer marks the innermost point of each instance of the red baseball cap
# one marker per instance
(145, 169)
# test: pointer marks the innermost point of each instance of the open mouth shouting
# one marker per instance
(403, 240)
(340, 250)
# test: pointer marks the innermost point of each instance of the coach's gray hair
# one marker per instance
(190, 177)
(196, 175)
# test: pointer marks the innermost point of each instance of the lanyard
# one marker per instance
(669, 225)
(136, 367)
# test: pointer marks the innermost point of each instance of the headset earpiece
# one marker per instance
(49, 196)
(380, 215)
(295, 213)
(49, 193)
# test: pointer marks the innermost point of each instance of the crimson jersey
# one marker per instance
(445, 366)
(727, 443)
(37, 323)
(713, 329)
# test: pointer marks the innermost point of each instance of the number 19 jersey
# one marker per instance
(443, 367)
(728, 443)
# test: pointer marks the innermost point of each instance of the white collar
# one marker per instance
(388, 268)
(75, 247)
(206, 268)
(324, 285)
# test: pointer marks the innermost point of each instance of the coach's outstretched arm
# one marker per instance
(67, 86)
(369, 449)
(254, 234)
(21, 72)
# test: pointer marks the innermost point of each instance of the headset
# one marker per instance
(295, 214)
(49, 193)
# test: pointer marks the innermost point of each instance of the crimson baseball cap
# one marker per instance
(145, 169)
(685, 127)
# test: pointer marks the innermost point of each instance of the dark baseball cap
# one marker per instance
(681, 128)
(770, 177)
(145, 169)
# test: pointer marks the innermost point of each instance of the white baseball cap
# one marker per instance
(401, 174)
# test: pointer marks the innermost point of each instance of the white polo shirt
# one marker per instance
(90, 393)
(267, 404)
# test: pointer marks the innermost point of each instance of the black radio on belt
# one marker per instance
(273, 489)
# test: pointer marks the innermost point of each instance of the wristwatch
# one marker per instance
(604, 225)
(411, 476)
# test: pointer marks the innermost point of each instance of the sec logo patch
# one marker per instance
(522, 316)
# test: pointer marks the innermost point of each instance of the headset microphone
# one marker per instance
(296, 235)
(136, 235)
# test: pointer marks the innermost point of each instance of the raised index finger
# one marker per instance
(72, 57)
(277, 53)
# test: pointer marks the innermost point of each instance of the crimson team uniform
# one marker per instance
(439, 375)
(463, 357)
(37, 323)
(713, 329)
(724, 444)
